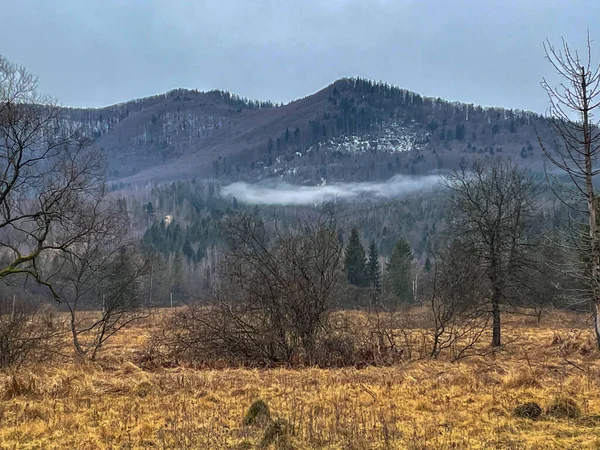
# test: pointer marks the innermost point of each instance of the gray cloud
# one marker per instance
(287, 194)
(98, 52)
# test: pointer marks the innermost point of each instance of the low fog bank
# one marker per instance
(288, 194)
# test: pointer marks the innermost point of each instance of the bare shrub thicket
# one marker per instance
(273, 302)
(28, 332)
(459, 307)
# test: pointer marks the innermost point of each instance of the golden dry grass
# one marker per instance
(114, 404)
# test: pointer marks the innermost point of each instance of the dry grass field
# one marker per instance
(114, 404)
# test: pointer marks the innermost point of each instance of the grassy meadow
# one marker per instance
(424, 404)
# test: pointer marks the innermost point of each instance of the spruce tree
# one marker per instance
(355, 262)
(373, 268)
(427, 265)
(399, 276)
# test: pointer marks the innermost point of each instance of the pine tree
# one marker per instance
(149, 212)
(355, 263)
(427, 265)
(373, 268)
(399, 277)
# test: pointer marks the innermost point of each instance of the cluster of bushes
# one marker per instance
(278, 301)
(27, 333)
(559, 408)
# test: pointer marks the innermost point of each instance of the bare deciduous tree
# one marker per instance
(573, 105)
(55, 210)
(99, 278)
(46, 176)
(491, 213)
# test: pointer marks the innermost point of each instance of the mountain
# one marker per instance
(353, 129)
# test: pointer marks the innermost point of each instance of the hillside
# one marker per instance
(351, 130)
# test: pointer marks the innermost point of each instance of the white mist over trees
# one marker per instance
(287, 194)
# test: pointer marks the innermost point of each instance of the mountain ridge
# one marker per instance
(188, 133)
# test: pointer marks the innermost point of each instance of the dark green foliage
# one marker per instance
(149, 209)
(530, 410)
(373, 267)
(177, 277)
(196, 210)
(399, 277)
(355, 262)
(460, 132)
(427, 265)
(563, 408)
(118, 284)
(258, 414)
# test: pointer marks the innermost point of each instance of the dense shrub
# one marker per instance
(258, 414)
(530, 410)
(563, 408)
(27, 334)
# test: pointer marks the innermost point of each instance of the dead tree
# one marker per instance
(491, 211)
(573, 105)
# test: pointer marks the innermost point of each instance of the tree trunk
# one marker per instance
(79, 352)
(591, 203)
(597, 324)
(496, 319)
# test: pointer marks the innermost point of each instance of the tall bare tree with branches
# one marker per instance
(99, 279)
(573, 104)
(58, 223)
(47, 177)
(491, 213)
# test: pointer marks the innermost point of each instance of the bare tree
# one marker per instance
(491, 212)
(58, 225)
(46, 176)
(573, 105)
(99, 277)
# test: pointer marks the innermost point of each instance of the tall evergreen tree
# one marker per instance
(399, 277)
(355, 262)
(427, 265)
(373, 268)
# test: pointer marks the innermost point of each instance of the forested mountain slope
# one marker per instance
(353, 129)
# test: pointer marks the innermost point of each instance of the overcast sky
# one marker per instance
(99, 52)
